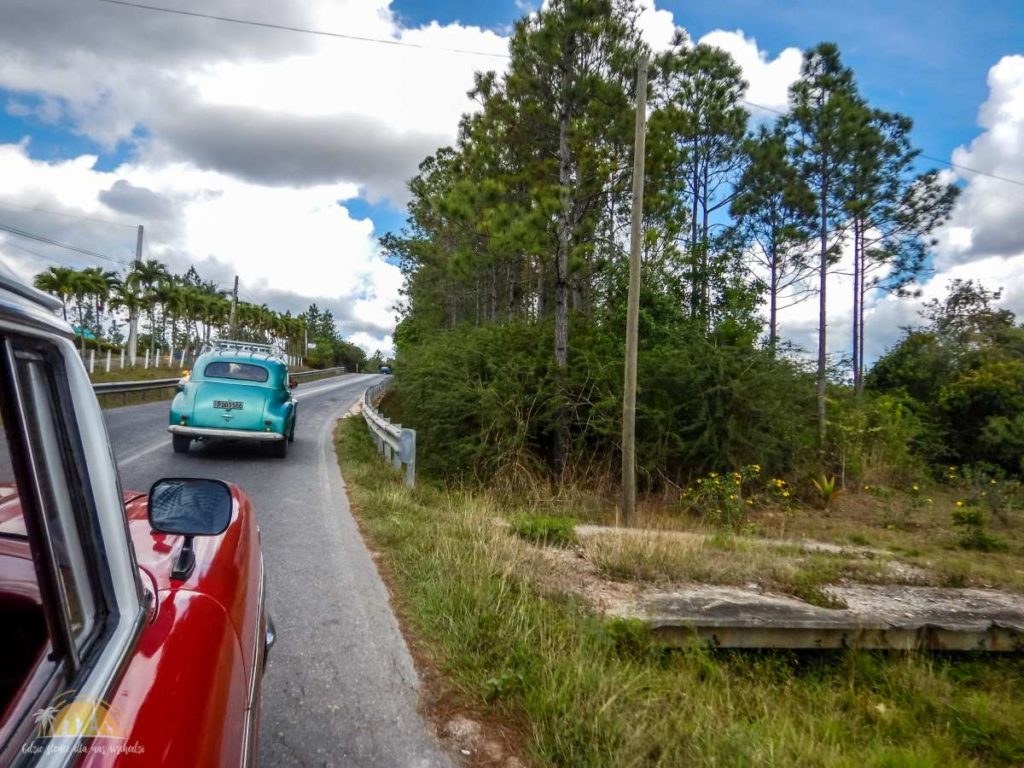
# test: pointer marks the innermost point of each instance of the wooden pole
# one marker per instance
(628, 512)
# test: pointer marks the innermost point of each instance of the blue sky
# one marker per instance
(238, 147)
(925, 58)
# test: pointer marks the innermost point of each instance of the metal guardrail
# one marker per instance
(126, 387)
(396, 444)
(321, 373)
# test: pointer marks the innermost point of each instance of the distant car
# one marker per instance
(384, 369)
(133, 627)
(238, 394)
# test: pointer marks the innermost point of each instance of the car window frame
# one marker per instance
(69, 660)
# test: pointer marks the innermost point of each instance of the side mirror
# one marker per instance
(292, 382)
(189, 507)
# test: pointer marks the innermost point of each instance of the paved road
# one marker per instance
(340, 689)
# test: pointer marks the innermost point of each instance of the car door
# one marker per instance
(72, 525)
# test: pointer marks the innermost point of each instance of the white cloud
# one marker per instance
(989, 217)
(983, 241)
(289, 245)
(768, 79)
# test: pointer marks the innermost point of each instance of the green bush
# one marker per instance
(485, 403)
(543, 529)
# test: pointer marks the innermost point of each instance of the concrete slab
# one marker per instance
(877, 617)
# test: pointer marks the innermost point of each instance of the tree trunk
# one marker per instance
(565, 225)
(133, 335)
(858, 268)
(822, 317)
(860, 315)
(773, 302)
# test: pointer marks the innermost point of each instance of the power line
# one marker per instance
(303, 30)
(67, 215)
(9, 244)
(50, 241)
(957, 166)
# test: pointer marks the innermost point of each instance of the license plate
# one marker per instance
(228, 405)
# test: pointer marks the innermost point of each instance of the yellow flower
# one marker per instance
(929, 501)
(992, 482)
(917, 487)
(757, 467)
(959, 503)
(750, 501)
(785, 494)
(732, 496)
(712, 474)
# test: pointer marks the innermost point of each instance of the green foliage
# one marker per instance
(483, 401)
(963, 376)
(724, 499)
(544, 529)
(828, 490)
(970, 521)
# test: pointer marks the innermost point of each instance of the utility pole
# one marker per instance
(628, 515)
(234, 307)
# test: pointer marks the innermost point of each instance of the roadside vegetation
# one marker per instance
(152, 310)
(761, 464)
(484, 608)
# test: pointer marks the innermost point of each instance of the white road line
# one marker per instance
(162, 443)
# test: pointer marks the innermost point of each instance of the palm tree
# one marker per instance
(127, 297)
(60, 281)
(147, 275)
(100, 282)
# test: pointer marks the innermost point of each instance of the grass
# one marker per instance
(583, 691)
(134, 374)
(733, 561)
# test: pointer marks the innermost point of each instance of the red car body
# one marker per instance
(189, 694)
(120, 644)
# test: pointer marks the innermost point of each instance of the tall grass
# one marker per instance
(589, 692)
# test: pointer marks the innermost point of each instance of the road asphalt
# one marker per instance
(340, 688)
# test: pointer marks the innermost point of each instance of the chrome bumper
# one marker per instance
(230, 434)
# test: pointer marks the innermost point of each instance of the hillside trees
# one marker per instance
(964, 371)
(520, 229)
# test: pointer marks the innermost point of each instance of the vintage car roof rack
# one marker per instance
(232, 345)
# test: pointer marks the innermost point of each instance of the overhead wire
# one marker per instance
(957, 166)
(302, 30)
(58, 244)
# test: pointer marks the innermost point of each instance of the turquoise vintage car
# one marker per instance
(237, 394)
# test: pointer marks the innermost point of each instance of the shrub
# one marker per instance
(971, 523)
(542, 529)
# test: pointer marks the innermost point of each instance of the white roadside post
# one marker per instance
(122, 358)
(146, 365)
(92, 361)
(108, 361)
(170, 357)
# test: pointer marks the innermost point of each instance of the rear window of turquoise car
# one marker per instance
(236, 371)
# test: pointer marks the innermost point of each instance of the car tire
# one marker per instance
(291, 435)
(181, 443)
(279, 449)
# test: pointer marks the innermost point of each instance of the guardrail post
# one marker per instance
(409, 456)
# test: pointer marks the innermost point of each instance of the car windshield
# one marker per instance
(237, 371)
